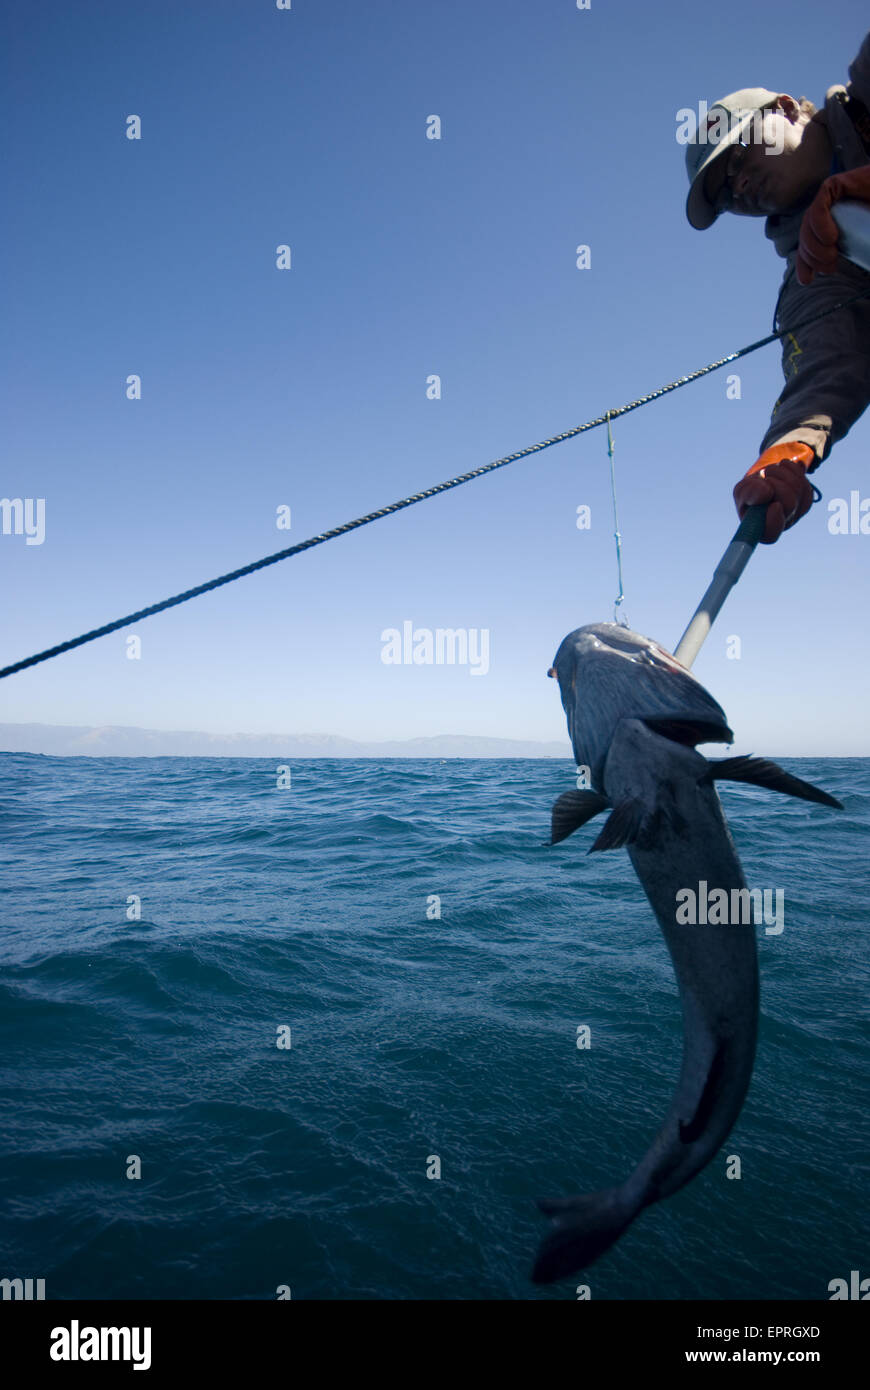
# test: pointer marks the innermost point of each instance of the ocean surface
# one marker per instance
(412, 1037)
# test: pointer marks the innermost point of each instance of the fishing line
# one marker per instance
(620, 597)
(410, 501)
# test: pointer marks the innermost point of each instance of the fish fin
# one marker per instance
(690, 731)
(622, 827)
(690, 1130)
(573, 809)
(764, 773)
(583, 1229)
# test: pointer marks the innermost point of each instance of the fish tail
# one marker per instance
(583, 1229)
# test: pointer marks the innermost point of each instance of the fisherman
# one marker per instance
(760, 153)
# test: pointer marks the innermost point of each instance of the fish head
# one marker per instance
(608, 673)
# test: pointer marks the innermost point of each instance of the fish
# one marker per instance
(635, 716)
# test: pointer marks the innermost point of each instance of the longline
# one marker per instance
(405, 501)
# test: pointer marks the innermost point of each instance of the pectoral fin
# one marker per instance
(764, 773)
(574, 809)
(622, 827)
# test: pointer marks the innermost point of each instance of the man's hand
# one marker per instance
(779, 479)
(819, 233)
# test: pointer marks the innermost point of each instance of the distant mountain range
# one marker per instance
(118, 741)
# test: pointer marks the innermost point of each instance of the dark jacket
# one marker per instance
(827, 365)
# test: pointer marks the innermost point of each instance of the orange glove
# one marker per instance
(778, 478)
(819, 233)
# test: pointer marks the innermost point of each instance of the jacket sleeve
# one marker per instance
(859, 72)
(826, 365)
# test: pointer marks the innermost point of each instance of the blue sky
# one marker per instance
(307, 387)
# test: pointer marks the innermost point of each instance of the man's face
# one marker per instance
(773, 170)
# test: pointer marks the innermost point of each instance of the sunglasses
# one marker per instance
(733, 162)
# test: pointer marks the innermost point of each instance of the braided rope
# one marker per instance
(403, 502)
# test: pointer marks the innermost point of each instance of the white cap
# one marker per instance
(725, 123)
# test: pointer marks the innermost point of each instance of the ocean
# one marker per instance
(425, 960)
